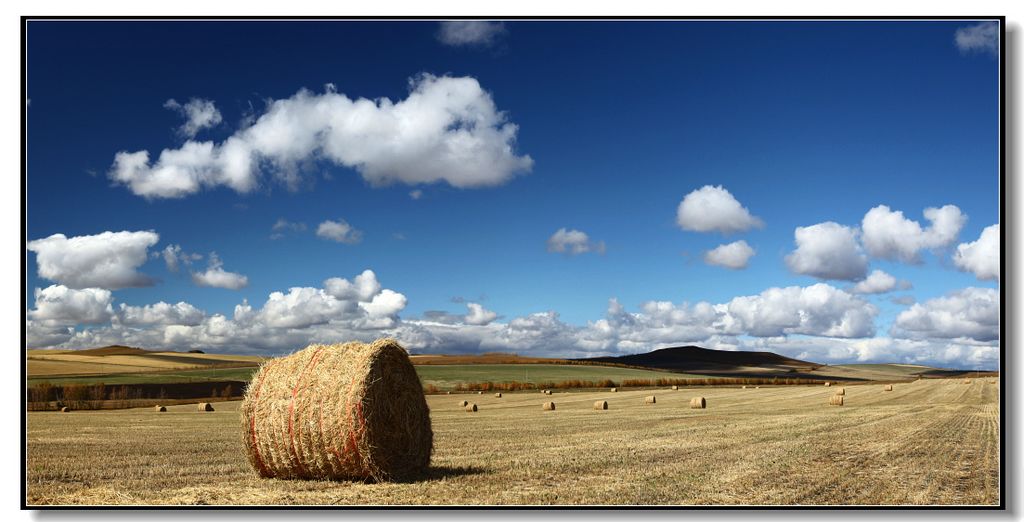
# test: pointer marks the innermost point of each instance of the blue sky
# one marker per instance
(596, 127)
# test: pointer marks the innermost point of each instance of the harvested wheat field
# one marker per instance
(927, 442)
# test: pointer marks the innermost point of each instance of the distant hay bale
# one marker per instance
(601, 405)
(550, 406)
(497, 395)
(547, 392)
(650, 399)
(828, 384)
(757, 387)
(463, 404)
(888, 387)
(967, 381)
(835, 400)
(615, 390)
(675, 387)
(744, 386)
(205, 406)
(159, 408)
(698, 403)
(841, 391)
(64, 409)
(991, 382)
(471, 407)
(479, 393)
(349, 411)
(447, 393)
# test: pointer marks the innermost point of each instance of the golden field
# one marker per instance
(933, 441)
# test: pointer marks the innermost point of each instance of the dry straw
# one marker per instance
(64, 409)
(967, 381)
(343, 411)
(614, 390)
(828, 383)
(159, 408)
(549, 406)
(841, 391)
(698, 403)
(601, 405)
(836, 400)
(650, 399)
(675, 387)
(463, 404)
(888, 387)
(497, 395)
(205, 406)
(744, 386)
(471, 407)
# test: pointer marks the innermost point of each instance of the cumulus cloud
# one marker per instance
(174, 257)
(714, 209)
(978, 38)
(161, 313)
(734, 255)
(828, 251)
(878, 282)
(819, 309)
(448, 130)
(60, 305)
(215, 276)
(573, 242)
(470, 32)
(889, 235)
(282, 227)
(478, 315)
(362, 287)
(967, 314)
(199, 114)
(980, 257)
(339, 231)
(108, 260)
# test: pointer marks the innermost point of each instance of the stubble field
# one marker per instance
(927, 442)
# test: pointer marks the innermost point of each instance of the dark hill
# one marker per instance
(702, 360)
(113, 350)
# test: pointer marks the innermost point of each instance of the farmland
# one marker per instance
(933, 441)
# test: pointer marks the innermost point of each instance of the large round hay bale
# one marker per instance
(159, 408)
(841, 391)
(615, 390)
(836, 400)
(64, 409)
(744, 386)
(342, 411)
(674, 387)
(471, 407)
(601, 405)
(828, 384)
(497, 395)
(463, 404)
(650, 399)
(205, 406)
(698, 403)
(888, 387)
(967, 381)
(549, 405)
(479, 393)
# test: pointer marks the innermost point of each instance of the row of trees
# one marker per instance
(46, 396)
(633, 383)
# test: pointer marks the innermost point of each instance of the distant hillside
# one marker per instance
(702, 360)
(113, 350)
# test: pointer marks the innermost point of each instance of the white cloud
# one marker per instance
(828, 251)
(980, 257)
(714, 209)
(970, 313)
(362, 288)
(470, 32)
(573, 242)
(161, 313)
(416, 194)
(734, 255)
(339, 231)
(447, 130)
(174, 257)
(108, 260)
(981, 37)
(385, 304)
(889, 235)
(199, 114)
(60, 305)
(878, 282)
(820, 310)
(215, 276)
(478, 315)
(282, 227)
